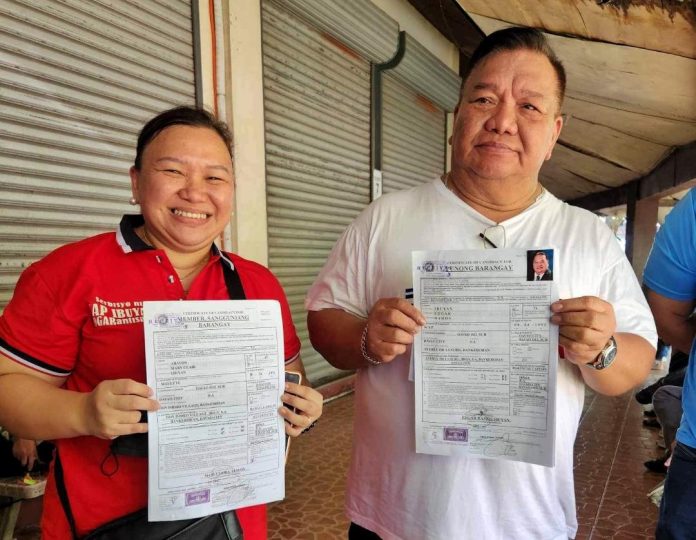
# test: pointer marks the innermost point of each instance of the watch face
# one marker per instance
(606, 357)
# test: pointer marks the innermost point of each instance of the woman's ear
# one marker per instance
(135, 179)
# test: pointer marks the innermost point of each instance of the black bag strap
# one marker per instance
(232, 280)
(63, 494)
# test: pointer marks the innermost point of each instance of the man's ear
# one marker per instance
(454, 120)
(557, 126)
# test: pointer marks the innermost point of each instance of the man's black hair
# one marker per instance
(518, 38)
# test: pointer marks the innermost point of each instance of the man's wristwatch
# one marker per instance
(606, 357)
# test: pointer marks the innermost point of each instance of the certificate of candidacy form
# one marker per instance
(485, 363)
(217, 443)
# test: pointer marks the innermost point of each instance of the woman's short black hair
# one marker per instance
(180, 116)
(518, 38)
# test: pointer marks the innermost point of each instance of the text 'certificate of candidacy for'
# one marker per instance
(485, 363)
(217, 443)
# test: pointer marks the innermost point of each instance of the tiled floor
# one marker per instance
(611, 482)
(315, 479)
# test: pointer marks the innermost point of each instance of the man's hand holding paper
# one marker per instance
(391, 325)
(585, 326)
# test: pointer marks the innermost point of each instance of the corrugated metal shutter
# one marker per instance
(359, 24)
(77, 81)
(413, 136)
(317, 113)
(426, 74)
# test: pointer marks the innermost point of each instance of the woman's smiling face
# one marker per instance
(184, 186)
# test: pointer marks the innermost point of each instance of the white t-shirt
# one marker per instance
(399, 494)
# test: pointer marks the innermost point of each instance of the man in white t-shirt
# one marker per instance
(506, 124)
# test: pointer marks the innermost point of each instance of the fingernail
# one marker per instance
(556, 306)
(556, 319)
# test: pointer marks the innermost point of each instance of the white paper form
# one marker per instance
(485, 363)
(217, 443)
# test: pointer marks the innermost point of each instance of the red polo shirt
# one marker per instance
(77, 313)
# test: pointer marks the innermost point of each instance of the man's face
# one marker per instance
(540, 264)
(507, 120)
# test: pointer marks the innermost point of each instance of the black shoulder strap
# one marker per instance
(232, 281)
(63, 493)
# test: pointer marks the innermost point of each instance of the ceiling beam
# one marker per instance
(675, 173)
(452, 22)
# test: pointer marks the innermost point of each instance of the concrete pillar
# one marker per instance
(206, 55)
(642, 230)
(250, 234)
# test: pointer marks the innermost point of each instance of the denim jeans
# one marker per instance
(677, 519)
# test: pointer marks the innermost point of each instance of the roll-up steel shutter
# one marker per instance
(426, 74)
(413, 137)
(77, 81)
(317, 114)
(359, 24)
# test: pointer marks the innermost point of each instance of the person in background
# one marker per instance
(21, 456)
(26, 451)
(667, 404)
(665, 396)
(670, 276)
